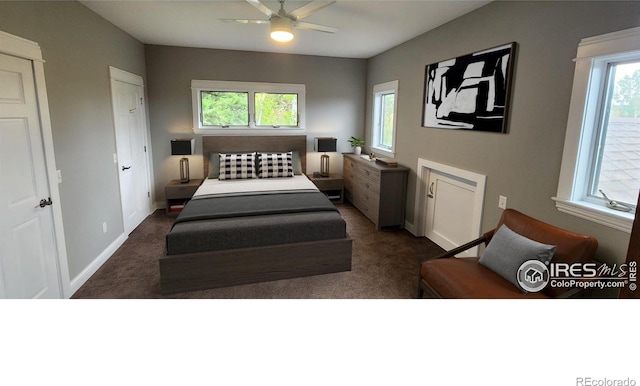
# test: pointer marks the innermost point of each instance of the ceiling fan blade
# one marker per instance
(245, 21)
(315, 27)
(261, 7)
(307, 9)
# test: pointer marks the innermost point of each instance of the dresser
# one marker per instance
(379, 192)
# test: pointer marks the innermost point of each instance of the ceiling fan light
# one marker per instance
(281, 29)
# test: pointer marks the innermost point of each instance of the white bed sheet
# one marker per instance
(212, 186)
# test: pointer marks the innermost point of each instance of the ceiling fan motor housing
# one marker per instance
(281, 28)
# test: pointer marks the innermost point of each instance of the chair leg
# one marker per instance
(420, 289)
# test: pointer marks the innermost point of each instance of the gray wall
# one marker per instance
(78, 46)
(524, 164)
(335, 100)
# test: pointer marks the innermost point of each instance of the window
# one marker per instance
(232, 106)
(601, 159)
(276, 109)
(616, 162)
(384, 118)
(224, 108)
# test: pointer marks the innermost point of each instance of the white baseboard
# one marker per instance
(410, 227)
(82, 278)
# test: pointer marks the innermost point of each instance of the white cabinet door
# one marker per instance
(450, 207)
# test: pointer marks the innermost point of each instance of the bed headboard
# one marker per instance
(243, 144)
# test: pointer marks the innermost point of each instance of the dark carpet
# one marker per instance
(385, 265)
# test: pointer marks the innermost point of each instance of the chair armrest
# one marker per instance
(464, 247)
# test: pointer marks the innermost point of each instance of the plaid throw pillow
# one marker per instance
(237, 166)
(275, 165)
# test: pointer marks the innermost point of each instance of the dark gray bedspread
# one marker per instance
(221, 223)
(207, 208)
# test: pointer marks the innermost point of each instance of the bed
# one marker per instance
(249, 230)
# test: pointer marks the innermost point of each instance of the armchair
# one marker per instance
(449, 277)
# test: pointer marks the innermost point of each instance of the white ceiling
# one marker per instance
(366, 28)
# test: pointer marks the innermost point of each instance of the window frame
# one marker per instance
(590, 78)
(197, 86)
(379, 91)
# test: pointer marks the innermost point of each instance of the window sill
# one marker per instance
(383, 152)
(248, 130)
(622, 221)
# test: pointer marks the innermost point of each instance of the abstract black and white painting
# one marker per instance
(470, 92)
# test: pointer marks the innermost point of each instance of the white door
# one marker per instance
(450, 211)
(131, 146)
(28, 251)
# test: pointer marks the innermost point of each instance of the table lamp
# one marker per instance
(183, 146)
(325, 144)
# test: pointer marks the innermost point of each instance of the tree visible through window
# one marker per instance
(276, 109)
(225, 108)
(387, 121)
(383, 128)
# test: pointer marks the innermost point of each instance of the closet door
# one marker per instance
(28, 258)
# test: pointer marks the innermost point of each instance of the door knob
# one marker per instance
(126, 168)
(430, 195)
(44, 203)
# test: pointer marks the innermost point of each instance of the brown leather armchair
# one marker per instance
(448, 277)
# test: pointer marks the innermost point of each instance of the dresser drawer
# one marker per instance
(368, 207)
(366, 175)
(365, 191)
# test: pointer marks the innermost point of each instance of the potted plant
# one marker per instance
(356, 144)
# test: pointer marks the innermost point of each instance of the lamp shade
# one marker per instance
(325, 144)
(182, 146)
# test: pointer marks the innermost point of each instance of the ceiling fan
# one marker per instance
(283, 22)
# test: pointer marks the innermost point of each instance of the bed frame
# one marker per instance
(205, 270)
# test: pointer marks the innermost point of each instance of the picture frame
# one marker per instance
(470, 92)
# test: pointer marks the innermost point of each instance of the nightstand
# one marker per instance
(177, 194)
(332, 186)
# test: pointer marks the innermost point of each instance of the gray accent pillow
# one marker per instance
(297, 164)
(214, 165)
(508, 250)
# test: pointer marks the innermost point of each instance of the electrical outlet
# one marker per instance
(502, 202)
(104, 227)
